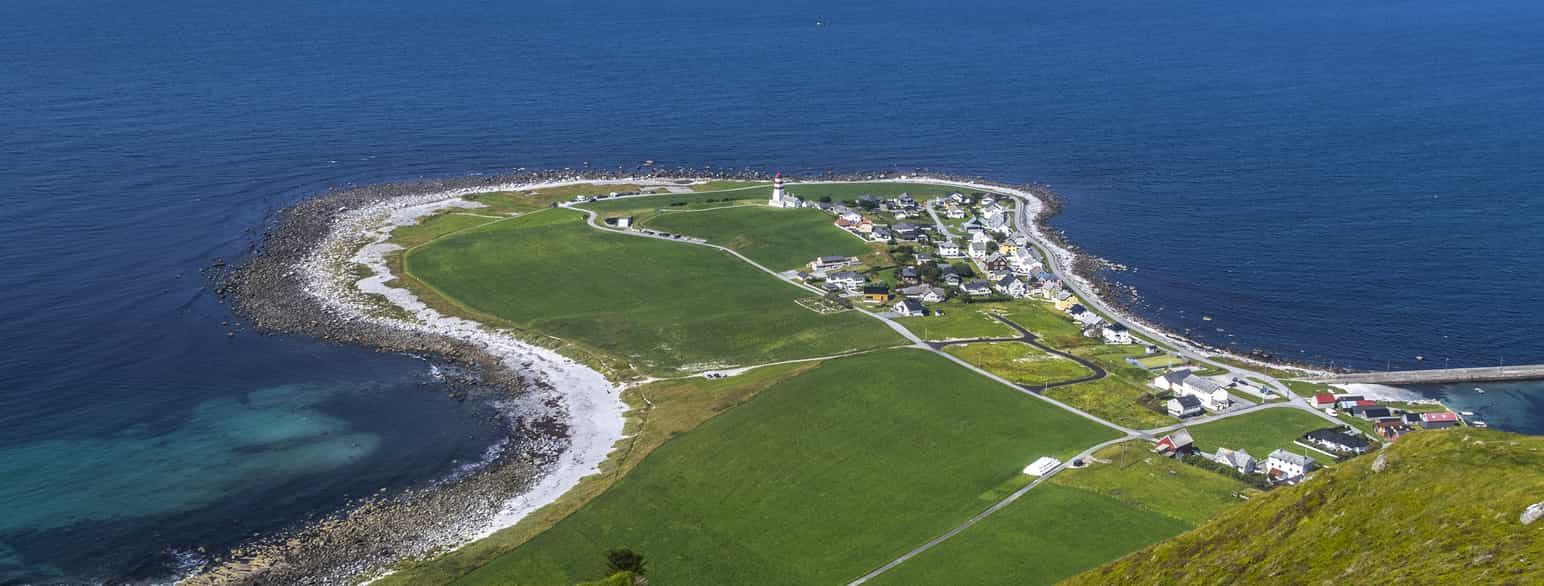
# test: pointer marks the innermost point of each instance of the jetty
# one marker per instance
(1441, 375)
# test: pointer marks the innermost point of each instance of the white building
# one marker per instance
(1238, 459)
(1116, 334)
(780, 198)
(1184, 406)
(949, 250)
(1042, 466)
(1287, 466)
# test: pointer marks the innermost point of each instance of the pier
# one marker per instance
(1441, 375)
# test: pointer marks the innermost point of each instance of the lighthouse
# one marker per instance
(779, 198)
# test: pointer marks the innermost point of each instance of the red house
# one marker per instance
(1323, 399)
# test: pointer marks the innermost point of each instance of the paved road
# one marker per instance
(942, 229)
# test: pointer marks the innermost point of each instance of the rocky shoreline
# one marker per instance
(291, 284)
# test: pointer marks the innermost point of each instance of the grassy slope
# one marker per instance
(779, 239)
(1445, 510)
(1020, 363)
(1260, 432)
(644, 207)
(658, 412)
(1053, 327)
(664, 306)
(876, 453)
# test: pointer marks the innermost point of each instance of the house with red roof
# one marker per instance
(1442, 420)
(1323, 399)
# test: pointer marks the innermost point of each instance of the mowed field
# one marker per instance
(1076, 521)
(778, 239)
(816, 480)
(1261, 432)
(1019, 362)
(663, 306)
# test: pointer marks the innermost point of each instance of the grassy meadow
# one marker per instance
(877, 453)
(1019, 362)
(959, 321)
(1260, 432)
(778, 239)
(660, 307)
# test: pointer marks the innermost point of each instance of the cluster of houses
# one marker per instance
(1193, 395)
(1280, 466)
(1390, 423)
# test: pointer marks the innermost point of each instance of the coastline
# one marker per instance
(300, 282)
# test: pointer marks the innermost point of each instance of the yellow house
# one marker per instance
(1063, 304)
(1007, 248)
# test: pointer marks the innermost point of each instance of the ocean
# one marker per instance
(1329, 182)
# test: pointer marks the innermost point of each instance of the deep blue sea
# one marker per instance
(1350, 181)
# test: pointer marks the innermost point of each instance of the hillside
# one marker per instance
(1444, 508)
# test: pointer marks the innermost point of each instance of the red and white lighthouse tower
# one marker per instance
(779, 198)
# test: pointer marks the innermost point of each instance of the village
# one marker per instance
(971, 252)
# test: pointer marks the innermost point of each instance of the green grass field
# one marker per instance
(1113, 399)
(1019, 362)
(779, 239)
(1078, 520)
(870, 452)
(1136, 476)
(1052, 533)
(1053, 327)
(662, 306)
(643, 208)
(1260, 432)
(959, 321)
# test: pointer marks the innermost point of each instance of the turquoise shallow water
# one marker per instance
(1355, 182)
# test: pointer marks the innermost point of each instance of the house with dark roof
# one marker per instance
(1116, 334)
(846, 279)
(1184, 406)
(910, 308)
(876, 294)
(1338, 441)
(1374, 412)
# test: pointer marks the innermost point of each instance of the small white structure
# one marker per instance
(1042, 466)
(910, 308)
(781, 199)
(949, 249)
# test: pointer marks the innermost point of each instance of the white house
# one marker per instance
(925, 293)
(1116, 334)
(977, 288)
(1210, 395)
(910, 308)
(1184, 406)
(958, 198)
(954, 212)
(1287, 466)
(979, 249)
(846, 279)
(1083, 316)
(949, 249)
(1238, 459)
(826, 263)
(1013, 287)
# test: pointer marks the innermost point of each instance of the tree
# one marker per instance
(825, 199)
(625, 560)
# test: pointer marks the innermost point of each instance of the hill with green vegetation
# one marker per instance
(1442, 507)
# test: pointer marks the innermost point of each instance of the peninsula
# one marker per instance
(720, 377)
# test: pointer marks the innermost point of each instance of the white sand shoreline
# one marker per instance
(589, 403)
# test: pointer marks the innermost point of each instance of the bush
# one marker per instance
(625, 560)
